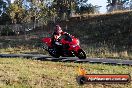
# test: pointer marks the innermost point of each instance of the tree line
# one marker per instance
(26, 11)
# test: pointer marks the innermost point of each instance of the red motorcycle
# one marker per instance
(68, 46)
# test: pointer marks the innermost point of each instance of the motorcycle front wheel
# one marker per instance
(81, 54)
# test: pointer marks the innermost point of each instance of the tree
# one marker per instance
(64, 7)
(16, 13)
(114, 2)
(115, 5)
(37, 11)
(2, 6)
(8, 1)
(84, 7)
(4, 18)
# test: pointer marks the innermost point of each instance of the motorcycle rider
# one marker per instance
(57, 34)
(56, 37)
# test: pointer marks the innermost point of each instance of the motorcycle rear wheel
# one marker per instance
(53, 52)
(81, 54)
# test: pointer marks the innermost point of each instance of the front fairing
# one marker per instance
(74, 44)
(47, 41)
(74, 48)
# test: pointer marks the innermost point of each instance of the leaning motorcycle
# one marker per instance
(68, 46)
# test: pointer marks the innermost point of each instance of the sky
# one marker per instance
(95, 2)
(100, 3)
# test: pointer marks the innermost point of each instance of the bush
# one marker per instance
(7, 32)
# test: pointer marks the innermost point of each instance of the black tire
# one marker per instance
(81, 80)
(53, 52)
(81, 54)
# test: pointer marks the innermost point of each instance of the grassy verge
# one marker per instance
(21, 50)
(102, 51)
(23, 73)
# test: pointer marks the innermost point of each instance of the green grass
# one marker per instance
(27, 73)
(103, 51)
(20, 50)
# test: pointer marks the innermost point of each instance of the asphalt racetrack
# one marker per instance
(69, 59)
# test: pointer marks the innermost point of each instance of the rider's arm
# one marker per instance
(55, 36)
(67, 36)
(65, 33)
